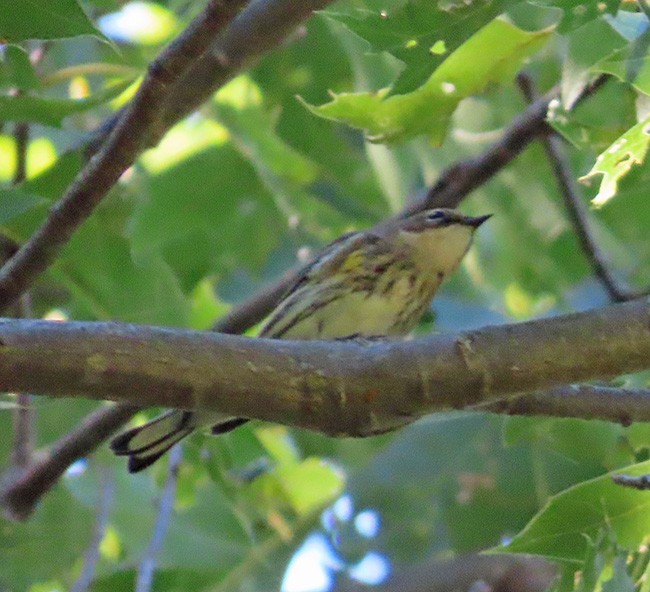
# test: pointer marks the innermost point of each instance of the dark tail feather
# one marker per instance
(228, 425)
(145, 444)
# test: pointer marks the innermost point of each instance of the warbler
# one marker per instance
(373, 283)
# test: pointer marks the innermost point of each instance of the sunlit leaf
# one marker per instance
(491, 55)
(311, 484)
(617, 161)
(420, 33)
(561, 529)
(50, 111)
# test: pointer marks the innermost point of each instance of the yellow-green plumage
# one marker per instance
(366, 284)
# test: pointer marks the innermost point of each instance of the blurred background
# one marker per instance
(254, 182)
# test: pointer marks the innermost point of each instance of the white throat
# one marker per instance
(439, 250)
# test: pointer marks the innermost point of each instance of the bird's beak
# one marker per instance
(477, 221)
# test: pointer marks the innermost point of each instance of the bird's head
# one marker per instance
(439, 238)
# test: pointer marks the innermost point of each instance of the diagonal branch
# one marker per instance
(460, 179)
(262, 26)
(20, 494)
(339, 388)
(140, 122)
(576, 210)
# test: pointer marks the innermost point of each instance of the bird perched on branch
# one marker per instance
(373, 283)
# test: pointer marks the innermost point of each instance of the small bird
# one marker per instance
(373, 283)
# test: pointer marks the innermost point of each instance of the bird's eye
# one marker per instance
(436, 215)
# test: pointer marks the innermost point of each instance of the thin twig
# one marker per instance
(24, 413)
(144, 578)
(20, 494)
(21, 138)
(106, 489)
(457, 181)
(622, 406)
(575, 207)
(138, 125)
(24, 416)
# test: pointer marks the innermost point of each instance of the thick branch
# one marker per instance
(262, 26)
(140, 121)
(582, 401)
(340, 388)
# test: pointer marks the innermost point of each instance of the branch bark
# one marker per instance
(581, 401)
(576, 210)
(22, 489)
(262, 26)
(340, 388)
(134, 130)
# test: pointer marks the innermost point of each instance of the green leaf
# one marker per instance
(310, 484)
(587, 45)
(421, 33)
(206, 307)
(630, 64)
(106, 282)
(201, 222)
(33, 19)
(617, 161)
(492, 55)
(51, 111)
(283, 170)
(561, 528)
(15, 202)
(48, 544)
(277, 441)
(16, 71)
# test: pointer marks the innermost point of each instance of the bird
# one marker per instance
(374, 283)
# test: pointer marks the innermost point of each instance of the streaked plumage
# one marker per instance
(373, 283)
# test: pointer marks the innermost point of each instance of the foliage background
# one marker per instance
(254, 182)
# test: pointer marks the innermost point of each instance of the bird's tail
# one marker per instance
(145, 444)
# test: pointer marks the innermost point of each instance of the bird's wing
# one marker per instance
(344, 251)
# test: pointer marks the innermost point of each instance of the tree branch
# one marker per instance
(262, 26)
(22, 491)
(136, 126)
(463, 177)
(582, 401)
(576, 210)
(339, 388)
